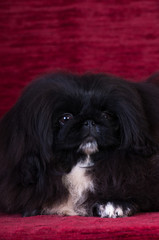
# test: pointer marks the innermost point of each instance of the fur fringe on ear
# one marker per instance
(136, 124)
(26, 140)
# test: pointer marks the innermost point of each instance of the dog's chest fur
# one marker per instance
(79, 182)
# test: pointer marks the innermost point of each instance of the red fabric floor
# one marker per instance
(142, 226)
(116, 36)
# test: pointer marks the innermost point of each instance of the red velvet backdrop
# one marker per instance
(115, 36)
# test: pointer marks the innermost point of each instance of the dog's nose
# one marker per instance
(89, 123)
(90, 128)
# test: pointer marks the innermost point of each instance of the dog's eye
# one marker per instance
(65, 118)
(107, 115)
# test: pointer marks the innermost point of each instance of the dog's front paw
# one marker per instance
(115, 209)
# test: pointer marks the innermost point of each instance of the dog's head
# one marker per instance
(62, 116)
(72, 115)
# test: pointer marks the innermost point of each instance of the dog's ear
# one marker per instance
(26, 135)
(136, 126)
(154, 80)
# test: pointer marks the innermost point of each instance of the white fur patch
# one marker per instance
(78, 183)
(65, 209)
(110, 211)
(89, 147)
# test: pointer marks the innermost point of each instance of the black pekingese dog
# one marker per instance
(81, 145)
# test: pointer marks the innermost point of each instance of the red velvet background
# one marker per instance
(115, 36)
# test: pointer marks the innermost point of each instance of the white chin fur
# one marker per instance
(89, 147)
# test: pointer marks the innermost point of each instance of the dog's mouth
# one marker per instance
(88, 165)
(88, 147)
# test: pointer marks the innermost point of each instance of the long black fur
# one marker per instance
(34, 155)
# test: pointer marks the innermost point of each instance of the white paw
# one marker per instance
(111, 210)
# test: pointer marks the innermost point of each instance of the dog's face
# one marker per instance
(84, 120)
(90, 123)
(69, 116)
